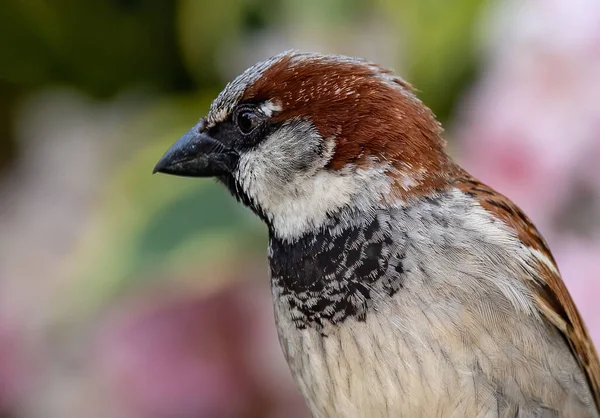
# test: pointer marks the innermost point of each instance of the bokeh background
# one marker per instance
(131, 296)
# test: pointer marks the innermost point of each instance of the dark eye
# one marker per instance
(247, 121)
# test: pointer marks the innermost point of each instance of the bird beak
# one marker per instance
(197, 155)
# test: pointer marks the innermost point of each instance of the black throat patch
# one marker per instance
(337, 273)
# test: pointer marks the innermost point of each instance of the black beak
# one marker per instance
(197, 155)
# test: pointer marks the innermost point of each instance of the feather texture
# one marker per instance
(551, 295)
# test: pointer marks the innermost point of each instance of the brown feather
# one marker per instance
(551, 295)
(367, 111)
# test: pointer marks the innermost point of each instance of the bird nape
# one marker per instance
(402, 286)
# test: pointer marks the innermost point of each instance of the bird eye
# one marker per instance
(247, 121)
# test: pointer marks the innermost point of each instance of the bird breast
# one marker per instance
(401, 314)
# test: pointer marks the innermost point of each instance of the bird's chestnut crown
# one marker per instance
(300, 136)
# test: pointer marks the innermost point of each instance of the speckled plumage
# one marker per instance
(330, 276)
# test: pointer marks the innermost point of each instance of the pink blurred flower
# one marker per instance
(15, 372)
(579, 261)
(531, 129)
(535, 115)
(199, 356)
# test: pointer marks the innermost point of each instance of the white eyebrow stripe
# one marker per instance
(269, 108)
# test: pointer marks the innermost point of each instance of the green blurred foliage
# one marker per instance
(99, 46)
(152, 226)
(440, 46)
(205, 28)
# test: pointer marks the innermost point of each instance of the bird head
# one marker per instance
(302, 137)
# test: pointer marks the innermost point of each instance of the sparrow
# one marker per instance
(402, 286)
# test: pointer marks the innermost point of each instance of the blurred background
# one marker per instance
(129, 295)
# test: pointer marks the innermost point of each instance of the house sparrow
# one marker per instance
(402, 286)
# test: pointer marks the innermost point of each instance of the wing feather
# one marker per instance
(551, 295)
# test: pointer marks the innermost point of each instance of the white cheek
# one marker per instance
(305, 204)
(299, 201)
